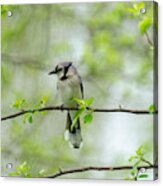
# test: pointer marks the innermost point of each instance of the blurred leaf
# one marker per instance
(128, 178)
(30, 119)
(44, 100)
(77, 115)
(138, 6)
(134, 171)
(43, 112)
(15, 173)
(89, 101)
(139, 151)
(145, 24)
(27, 118)
(152, 109)
(21, 170)
(4, 10)
(88, 118)
(80, 102)
(131, 10)
(19, 103)
(132, 158)
(84, 103)
(143, 176)
(41, 172)
(41, 103)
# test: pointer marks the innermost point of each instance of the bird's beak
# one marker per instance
(52, 72)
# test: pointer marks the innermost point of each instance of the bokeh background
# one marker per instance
(111, 44)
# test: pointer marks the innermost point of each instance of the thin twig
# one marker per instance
(148, 39)
(91, 168)
(61, 108)
(137, 174)
(146, 161)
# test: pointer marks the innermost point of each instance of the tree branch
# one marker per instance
(91, 168)
(146, 161)
(61, 108)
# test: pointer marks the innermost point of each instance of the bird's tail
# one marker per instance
(73, 135)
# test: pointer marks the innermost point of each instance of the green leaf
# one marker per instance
(139, 150)
(43, 112)
(18, 103)
(21, 170)
(88, 118)
(131, 10)
(85, 102)
(41, 172)
(21, 167)
(132, 158)
(152, 109)
(89, 101)
(15, 173)
(77, 115)
(41, 103)
(145, 24)
(30, 119)
(138, 6)
(80, 102)
(4, 9)
(134, 171)
(25, 118)
(128, 178)
(24, 169)
(44, 99)
(141, 5)
(143, 176)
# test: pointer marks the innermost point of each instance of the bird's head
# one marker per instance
(61, 70)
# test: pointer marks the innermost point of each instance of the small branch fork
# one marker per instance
(91, 168)
(62, 108)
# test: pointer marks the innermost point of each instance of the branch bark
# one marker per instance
(92, 168)
(61, 108)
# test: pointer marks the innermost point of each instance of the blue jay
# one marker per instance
(70, 86)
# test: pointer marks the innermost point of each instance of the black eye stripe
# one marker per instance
(58, 69)
(66, 69)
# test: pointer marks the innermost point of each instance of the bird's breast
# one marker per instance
(69, 89)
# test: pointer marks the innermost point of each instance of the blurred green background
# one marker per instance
(111, 46)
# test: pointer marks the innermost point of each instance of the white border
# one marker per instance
(62, 1)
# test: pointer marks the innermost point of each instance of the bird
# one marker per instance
(70, 86)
